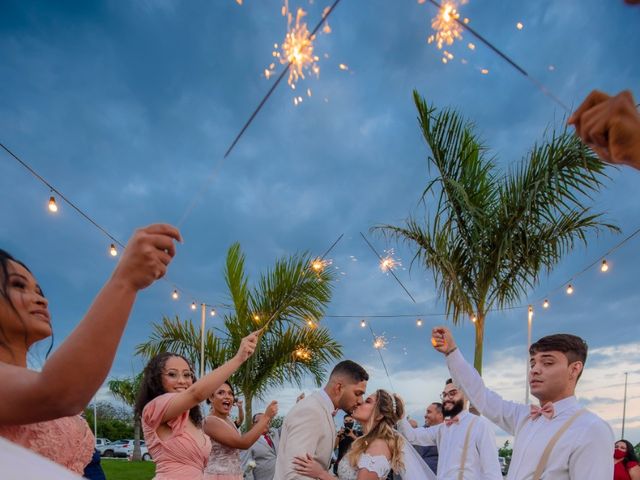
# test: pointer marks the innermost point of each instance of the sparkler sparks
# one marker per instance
(296, 49)
(302, 353)
(380, 342)
(445, 25)
(319, 264)
(389, 263)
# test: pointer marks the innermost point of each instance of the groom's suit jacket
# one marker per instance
(307, 428)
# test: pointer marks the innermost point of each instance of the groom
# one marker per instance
(309, 428)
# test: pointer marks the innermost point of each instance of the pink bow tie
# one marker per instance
(451, 421)
(546, 411)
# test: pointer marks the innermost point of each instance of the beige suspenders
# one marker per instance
(465, 448)
(542, 464)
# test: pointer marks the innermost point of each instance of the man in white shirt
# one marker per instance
(308, 428)
(557, 441)
(466, 443)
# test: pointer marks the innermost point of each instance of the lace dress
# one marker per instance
(67, 441)
(224, 462)
(377, 464)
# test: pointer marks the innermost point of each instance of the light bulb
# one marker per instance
(473, 318)
(113, 251)
(256, 317)
(569, 289)
(53, 207)
(193, 306)
(519, 26)
(175, 295)
(213, 312)
(363, 323)
(604, 267)
(545, 304)
(419, 322)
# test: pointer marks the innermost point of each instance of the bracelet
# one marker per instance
(451, 351)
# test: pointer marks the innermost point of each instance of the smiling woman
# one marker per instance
(39, 410)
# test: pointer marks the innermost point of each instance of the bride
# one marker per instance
(378, 451)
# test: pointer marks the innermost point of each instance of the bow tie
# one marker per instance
(546, 411)
(451, 421)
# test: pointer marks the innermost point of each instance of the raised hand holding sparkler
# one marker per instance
(610, 125)
(442, 340)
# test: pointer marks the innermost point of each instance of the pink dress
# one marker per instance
(181, 456)
(224, 462)
(67, 441)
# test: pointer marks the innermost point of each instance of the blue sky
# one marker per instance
(128, 107)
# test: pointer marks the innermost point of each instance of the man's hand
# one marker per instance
(610, 126)
(442, 340)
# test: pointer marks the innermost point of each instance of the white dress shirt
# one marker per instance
(18, 463)
(583, 452)
(482, 455)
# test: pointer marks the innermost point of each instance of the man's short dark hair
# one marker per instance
(574, 348)
(438, 407)
(351, 370)
(449, 380)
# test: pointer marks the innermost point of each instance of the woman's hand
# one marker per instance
(308, 467)
(247, 347)
(272, 410)
(147, 255)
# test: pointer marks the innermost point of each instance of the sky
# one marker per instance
(128, 108)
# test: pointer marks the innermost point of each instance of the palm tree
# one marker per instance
(289, 300)
(490, 234)
(126, 389)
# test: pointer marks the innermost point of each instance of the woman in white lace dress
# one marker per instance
(374, 454)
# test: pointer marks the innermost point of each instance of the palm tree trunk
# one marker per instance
(477, 360)
(248, 411)
(136, 456)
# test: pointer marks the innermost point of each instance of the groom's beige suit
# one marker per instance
(307, 428)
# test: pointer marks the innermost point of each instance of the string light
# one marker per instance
(113, 251)
(213, 312)
(53, 206)
(473, 318)
(419, 322)
(193, 306)
(175, 295)
(604, 267)
(363, 323)
(256, 317)
(311, 324)
(545, 304)
(569, 289)
(519, 26)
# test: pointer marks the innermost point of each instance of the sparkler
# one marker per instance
(446, 24)
(389, 263)
(302, 353)
(379, 342)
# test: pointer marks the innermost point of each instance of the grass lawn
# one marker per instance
(125, 470)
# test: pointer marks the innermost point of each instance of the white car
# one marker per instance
(125, 449)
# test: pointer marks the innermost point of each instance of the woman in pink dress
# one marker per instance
(226, 441)
(40, 410)
(169, 404)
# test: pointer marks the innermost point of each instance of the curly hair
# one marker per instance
(381, 427)
(151, 385)
(631, 453)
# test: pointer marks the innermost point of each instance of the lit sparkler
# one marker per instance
(445, 25)
(302, 353)
(379, 342)
(389, 263)
(319, 264)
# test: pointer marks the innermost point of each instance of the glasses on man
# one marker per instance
(173, 375)
(450, 394)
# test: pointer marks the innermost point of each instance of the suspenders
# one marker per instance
(465, 448)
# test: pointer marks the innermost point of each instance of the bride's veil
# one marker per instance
(414, 466)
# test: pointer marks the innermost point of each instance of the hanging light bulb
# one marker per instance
(311, 323)
(604, 267)
(193, 306)
(53, 206)
(213, 312)
(113, 251)
(545, 304)
(569, 289)
(363, 323)
(419, 322)
(473, 318)
(256, 317)
(175, 295)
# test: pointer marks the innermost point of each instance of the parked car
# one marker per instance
(126, 450)
(101, 442)
(107, 450)
(504, 465)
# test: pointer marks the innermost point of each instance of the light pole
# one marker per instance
(203, 317)
(526, 381)
(624, 403)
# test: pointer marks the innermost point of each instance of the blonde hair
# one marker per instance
(387, 410)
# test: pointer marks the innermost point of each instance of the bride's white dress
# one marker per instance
(414, 467)
(377, 464)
